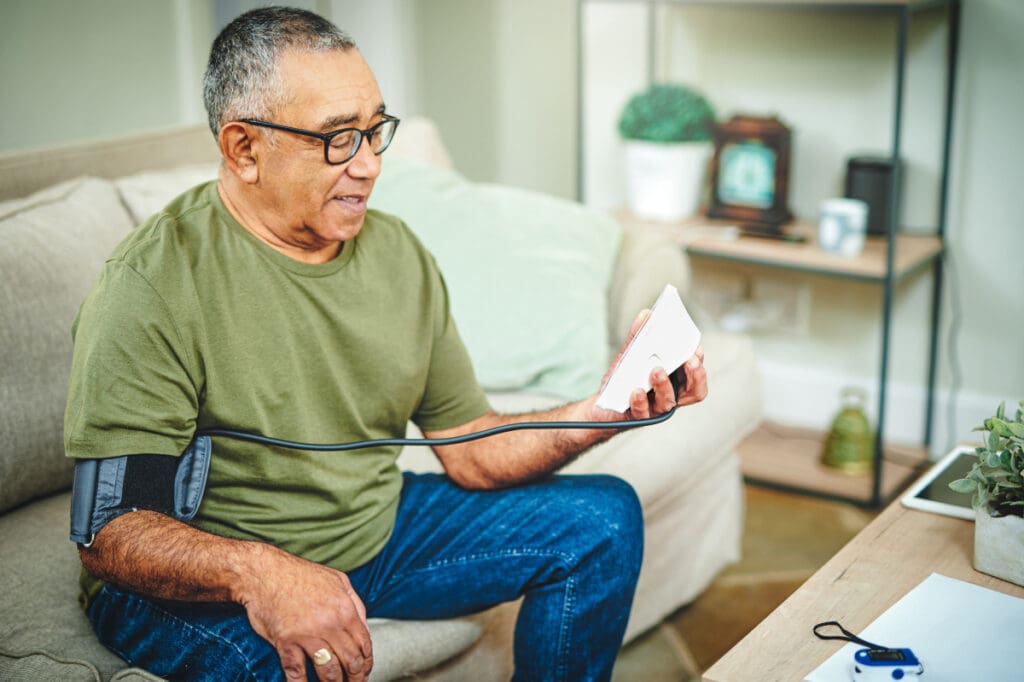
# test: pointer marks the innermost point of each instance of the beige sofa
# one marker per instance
(63, 210)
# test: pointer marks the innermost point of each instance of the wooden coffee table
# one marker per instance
(887, 559)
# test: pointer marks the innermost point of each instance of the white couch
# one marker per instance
(77, 202)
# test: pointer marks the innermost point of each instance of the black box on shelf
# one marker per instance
(869, 178)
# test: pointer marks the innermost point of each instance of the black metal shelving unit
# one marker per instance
(902, 12)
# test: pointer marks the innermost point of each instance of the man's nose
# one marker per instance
(365, 164)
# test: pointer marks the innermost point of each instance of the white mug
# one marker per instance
(842, 226)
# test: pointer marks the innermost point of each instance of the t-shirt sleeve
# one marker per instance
(132, 387)
(453, 396)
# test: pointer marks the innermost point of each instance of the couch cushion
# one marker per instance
(54, 244)
(32, 666)
(528, 275)
(39, 665)
(146, 193)
(404, 648)
(40, 569)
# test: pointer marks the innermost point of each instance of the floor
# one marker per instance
(786, 539)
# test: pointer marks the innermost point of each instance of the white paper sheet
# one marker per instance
(667, 339)
(959, 631)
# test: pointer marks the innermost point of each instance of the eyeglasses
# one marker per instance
(341, 145)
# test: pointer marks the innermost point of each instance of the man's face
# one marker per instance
(307, 202)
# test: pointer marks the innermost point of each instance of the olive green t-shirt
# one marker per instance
(196, 324)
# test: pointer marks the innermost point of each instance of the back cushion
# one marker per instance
(148, 192)
(52, 247)
(528, 275)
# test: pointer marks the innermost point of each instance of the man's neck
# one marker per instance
(248, 216)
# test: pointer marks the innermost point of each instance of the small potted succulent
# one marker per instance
(667, 131)
(996, 482)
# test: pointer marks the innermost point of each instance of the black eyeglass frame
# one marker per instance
(327, 137)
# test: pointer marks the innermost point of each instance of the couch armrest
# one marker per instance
(648, 260)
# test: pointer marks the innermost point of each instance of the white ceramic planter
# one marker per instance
(999, 546)
(664, 181)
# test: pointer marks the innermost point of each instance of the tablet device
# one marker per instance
(931, 492)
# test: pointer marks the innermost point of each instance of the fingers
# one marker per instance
(659, 400)
(663, 393)
(326, 664)
(639, 408)
(695, 388)
(293, 662)
(347, 660)
(357, 602)
(637, 323)
(358, 659)
(337, 658)
(351, 644)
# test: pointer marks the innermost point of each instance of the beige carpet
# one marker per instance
(786, 539)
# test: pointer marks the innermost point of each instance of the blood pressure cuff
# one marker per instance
(107, 488)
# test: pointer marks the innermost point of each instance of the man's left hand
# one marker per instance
(691, 377)
(693, 388)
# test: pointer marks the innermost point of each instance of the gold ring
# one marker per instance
(322, 657)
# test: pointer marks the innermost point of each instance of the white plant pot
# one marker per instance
(999, 546)
(664, 181)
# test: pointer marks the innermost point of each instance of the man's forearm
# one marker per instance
(158, 556)
(520, 456)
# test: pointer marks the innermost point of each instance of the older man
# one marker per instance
(273, 300)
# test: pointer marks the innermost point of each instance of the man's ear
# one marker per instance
(237, 148)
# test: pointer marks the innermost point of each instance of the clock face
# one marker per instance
(746, 175)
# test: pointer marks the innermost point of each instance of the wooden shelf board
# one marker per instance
(790, 457)
(707, 238)
(912, 251)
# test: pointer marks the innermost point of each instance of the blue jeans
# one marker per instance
(570, 545)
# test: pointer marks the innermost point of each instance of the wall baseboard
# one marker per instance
(810, 398)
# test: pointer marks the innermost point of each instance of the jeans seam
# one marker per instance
(569, 559)
(169, 617)
(568, 621)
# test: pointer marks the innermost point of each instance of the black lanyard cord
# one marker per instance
(846, 636)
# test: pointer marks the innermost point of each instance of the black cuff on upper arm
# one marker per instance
(104, 489)
(149, 483)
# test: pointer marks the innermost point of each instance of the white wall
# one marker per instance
(987, 206)
(498, 77)
(455, 66)
(79, 70)
(383, 30)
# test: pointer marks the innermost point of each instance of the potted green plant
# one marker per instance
(996, 482)
(667, 130)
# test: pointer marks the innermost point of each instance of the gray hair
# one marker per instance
(241, 78)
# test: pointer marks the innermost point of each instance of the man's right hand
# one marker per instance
(301, 608)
